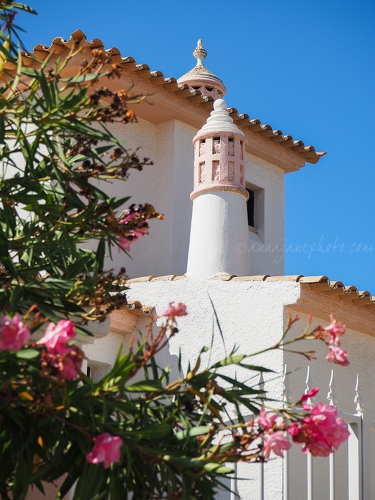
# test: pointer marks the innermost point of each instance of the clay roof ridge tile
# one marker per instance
(314, 279)
(255, 125)
(295, 278)
(128, 59)
(336, 284)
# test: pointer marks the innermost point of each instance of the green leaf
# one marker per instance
(184, 461)
(150, 432)
(257, 368)
(16, 298)
(100, 254)
(246, 389)
(195, 431)
(2, 129)
(22, 6)
(145, 386)
(230, 360)
(27, 353)
(217, 468)
(218, 323)
(5, 258)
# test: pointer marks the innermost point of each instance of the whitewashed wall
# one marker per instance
(266, 246)
(168, 184)
(343, 390)
(251, 315)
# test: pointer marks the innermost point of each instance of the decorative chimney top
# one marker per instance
(219, 226)
(219, 157)
(200, 53)
(200, 78)
(220, 121)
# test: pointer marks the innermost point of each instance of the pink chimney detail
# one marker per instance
(219, 238)
(219, 153)
(202, 79)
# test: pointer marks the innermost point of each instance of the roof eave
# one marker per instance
(264, 142)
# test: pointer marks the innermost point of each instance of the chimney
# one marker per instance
(202, 79)
(219, 237)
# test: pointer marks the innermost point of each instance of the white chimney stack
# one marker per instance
(219, 236)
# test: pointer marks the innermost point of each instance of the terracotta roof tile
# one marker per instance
(358, 297)
(170, 277)
(285, 278)
(223, 277)
(136, 308)
(78, 41)
(317, 283)
(336, 284)
(123, 320)
(314, 279)
(261, 277)
(139, 280)
(265, 131)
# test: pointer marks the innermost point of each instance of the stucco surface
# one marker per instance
(152, 185)
(218, 233)
(168, 184)
(266, 247)
(361, 349)
(251, 316)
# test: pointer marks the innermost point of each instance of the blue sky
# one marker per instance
(306, 68)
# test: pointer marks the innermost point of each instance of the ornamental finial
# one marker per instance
(200, 53)
(200, 78)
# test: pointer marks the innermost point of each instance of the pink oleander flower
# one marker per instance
(127, 217)
(140, 231)
(266, 419)
(334, 429)
(124, 244)
(310, 394)
(65, 366)
(321, 432)
(71, 364)
(106, 449)
(57, 337)
(134, 233)
(318, 447)
(313, 440)
(276, 442)
(338, 434)
(337, 356)
(13, 333)
(335, 331)
(175, 309)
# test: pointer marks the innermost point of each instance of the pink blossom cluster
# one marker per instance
(66, 366)
(274, 438)
(13, 333)
(277, 442)
(267, 419)
(64, 359)
(332, 336)
(321, 432)
(107, 449)
(308, 395)
(141, 227)
(58, 336)
(175, 309)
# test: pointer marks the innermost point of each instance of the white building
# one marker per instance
(230, 252)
